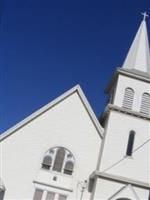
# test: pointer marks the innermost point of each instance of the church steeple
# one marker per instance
(138, 57)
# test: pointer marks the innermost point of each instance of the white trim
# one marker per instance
(114, 196)
(121, 179)
(125, 111)
(52, 186)
(77, 89)
(117, 193)
(129, 73)
(135, 74)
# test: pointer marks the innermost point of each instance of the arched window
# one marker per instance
(130, 143)
(59, 159)
(145, 104)
(128, 98)
(47, 162)
(68, 167)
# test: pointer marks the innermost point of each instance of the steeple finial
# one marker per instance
(144, 15)
(138, 57)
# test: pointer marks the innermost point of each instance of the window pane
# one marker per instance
(59, 160)
(50, 196)
(38, 194)
(68, 167)
(47, 161)
(62, 197)
(130, 143)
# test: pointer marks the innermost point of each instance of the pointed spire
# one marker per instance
(138, 57)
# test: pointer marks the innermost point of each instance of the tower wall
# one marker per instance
(114, 159)
(138, 86)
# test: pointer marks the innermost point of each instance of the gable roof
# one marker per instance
(77, 89)
(126, 191)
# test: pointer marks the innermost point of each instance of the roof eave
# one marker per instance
(42, 110)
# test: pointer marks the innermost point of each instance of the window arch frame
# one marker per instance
(128, 98)
(66, 159)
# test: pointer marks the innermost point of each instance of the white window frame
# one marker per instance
(64, 161)
(45, 192)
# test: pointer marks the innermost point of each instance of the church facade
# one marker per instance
(63, 152)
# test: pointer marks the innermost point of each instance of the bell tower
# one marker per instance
(123, 170)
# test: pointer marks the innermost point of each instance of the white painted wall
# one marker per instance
(66, 124)
(114, 160)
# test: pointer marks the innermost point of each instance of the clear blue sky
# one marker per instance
(47, 47)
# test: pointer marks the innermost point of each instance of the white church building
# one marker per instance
(63, 152)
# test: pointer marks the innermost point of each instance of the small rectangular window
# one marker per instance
(62, 197)
(38, 194)
(130, 143)
(50, 196)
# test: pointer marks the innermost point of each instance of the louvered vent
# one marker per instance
(145, 104)
(128, 98)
